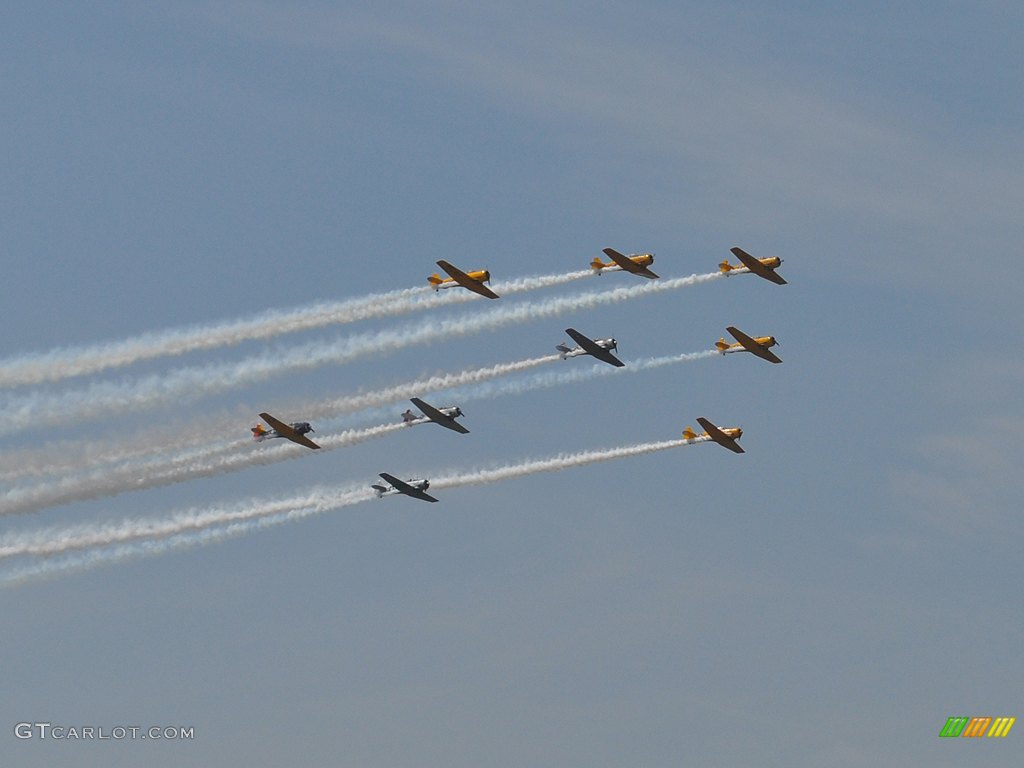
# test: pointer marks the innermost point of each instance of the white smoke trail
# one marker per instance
(578, 373)
(56, 539)
(69, 456)
(556, 463)
(472, 384)
(61, 457)
(191, 530)
(229, 457)
(140, 537)
(405, 390)
(65, 363)
(190, 466)
(448, 386)
(38, 409)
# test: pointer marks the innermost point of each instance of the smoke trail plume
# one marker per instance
(140, 537)
(189, 466)
(102, 398)
(228, 457)
(64, 363)
(73, 456)
(379, 397)
(578, 373)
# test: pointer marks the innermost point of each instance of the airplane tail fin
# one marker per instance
(722, 345)
(562, 350)
(725, 266)
(258, 432)
(597, 264)
(435, 280)
(689, 434)
(379, 489)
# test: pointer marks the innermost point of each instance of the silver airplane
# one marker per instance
(414, 488)
(444, 416)
(599, 348)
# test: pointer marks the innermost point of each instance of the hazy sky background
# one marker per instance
(827, 599)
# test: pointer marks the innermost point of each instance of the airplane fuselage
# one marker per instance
(565, 352)
(771, 262)
(437, 282)
(724, 347)
(692, 437)
(411, 418)
(260, 433)
(640, 259)
(419, 485)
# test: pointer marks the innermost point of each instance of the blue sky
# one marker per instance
(828, 598)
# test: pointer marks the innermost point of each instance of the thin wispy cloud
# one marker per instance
(764, 143)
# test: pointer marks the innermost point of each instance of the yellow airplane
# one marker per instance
(761, 267)
(636, 264)
(473, 281)
(758, 346)
(724, 436)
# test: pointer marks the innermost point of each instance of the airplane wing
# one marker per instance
(755, 266)
(403, 487)
(719, 436)
(285, 431)
(466, 281)
(628, 264)
(752, 346)
(591, 348)
(439, 418)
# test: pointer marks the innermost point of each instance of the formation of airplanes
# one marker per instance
(601, 349)
(636, 264)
